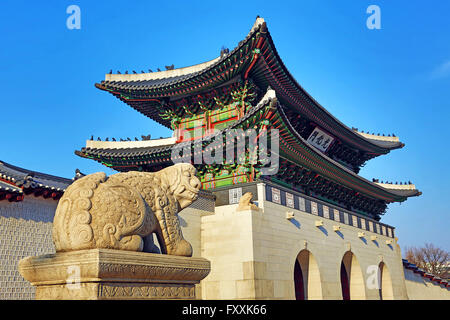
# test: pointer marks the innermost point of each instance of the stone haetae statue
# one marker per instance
(246, 203)
(124, 210)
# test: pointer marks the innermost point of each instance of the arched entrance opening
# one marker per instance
(352, 280)
(307, 277)
(298, 282)
(345, 284)
(386, 291)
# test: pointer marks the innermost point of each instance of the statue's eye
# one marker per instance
(186, 173)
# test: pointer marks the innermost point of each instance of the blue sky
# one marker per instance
(393, 80)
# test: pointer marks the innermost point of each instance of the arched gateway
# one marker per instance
(386, 290)
(307, 281)
(352, 279)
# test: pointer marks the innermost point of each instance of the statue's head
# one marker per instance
(183, 183)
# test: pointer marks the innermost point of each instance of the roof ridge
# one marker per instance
(130, 144)
(395, 186)
(166, 74)
(379, 137)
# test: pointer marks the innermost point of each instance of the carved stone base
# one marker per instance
(113, 274)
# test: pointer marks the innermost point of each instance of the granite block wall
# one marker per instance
(25, 230)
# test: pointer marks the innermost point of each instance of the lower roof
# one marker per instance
(296, 148)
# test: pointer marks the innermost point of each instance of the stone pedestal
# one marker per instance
(104, 274)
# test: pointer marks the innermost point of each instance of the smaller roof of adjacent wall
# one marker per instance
(15, 182)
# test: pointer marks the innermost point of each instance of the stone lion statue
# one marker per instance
(124, 210)
(246, 203)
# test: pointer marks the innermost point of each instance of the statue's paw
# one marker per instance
(183, 248)
(131, 243)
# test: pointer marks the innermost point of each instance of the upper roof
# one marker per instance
(255, 57)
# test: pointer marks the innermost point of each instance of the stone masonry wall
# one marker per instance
(25, 230)
(420, 288)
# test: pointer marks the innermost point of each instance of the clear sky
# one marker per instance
(392, 80)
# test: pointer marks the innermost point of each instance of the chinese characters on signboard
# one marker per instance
(320, 139)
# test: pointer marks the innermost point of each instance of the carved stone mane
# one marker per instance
(123, 211)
